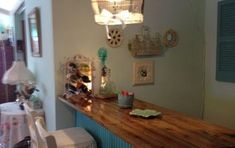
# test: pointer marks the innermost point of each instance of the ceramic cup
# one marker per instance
(125, 101)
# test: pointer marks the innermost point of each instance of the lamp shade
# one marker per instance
(117, 12)
(18, 73)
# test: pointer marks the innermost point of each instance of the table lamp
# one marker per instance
(19, 75)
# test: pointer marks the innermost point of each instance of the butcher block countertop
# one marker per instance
(171, 129)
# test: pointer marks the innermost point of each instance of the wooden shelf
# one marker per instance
(172, 129)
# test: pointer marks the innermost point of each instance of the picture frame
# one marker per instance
(170, 38)
(143, 72)
(35, 32)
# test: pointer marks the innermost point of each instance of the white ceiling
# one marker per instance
(9, 5)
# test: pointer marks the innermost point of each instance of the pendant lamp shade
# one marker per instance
(17, 74)
(118, 12)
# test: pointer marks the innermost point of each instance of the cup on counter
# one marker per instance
(125, 99)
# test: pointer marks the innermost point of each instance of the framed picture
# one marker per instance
(35, 32)
(143, 72)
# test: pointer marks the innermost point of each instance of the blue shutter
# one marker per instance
(225, 66)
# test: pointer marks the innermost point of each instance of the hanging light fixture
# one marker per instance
(118, 12)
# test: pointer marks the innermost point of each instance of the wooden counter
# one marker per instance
(172, 129)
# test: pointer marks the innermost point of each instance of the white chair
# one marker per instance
(30, 115)
(66, 138)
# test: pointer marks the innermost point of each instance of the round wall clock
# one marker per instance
(116, 37)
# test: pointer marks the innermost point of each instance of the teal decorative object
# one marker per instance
(106, 87)
(146, 113)
(125, 101)
(102, 53)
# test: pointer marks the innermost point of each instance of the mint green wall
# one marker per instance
(178, 73)
(5, 21)
(18, 26)
(220, 96)
(43, 67)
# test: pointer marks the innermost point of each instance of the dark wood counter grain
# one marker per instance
(172, 129)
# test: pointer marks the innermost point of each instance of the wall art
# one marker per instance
(170, 38)
(115, 37)
(35, 32)
(143, 72)
(144, 44)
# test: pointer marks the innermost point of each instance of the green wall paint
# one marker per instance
(220, 96)
(68, 28)
(5, 21)
(43, 67)
(178, 73)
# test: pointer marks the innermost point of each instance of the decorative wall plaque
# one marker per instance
(143, 72)
(170, 38)
(145, 45)
(115, 37)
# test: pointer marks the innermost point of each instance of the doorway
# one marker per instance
(20, 39)
(12, 47)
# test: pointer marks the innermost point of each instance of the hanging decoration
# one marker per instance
(118, 12)
(116, 37)
(144, 44)
(170, 38)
